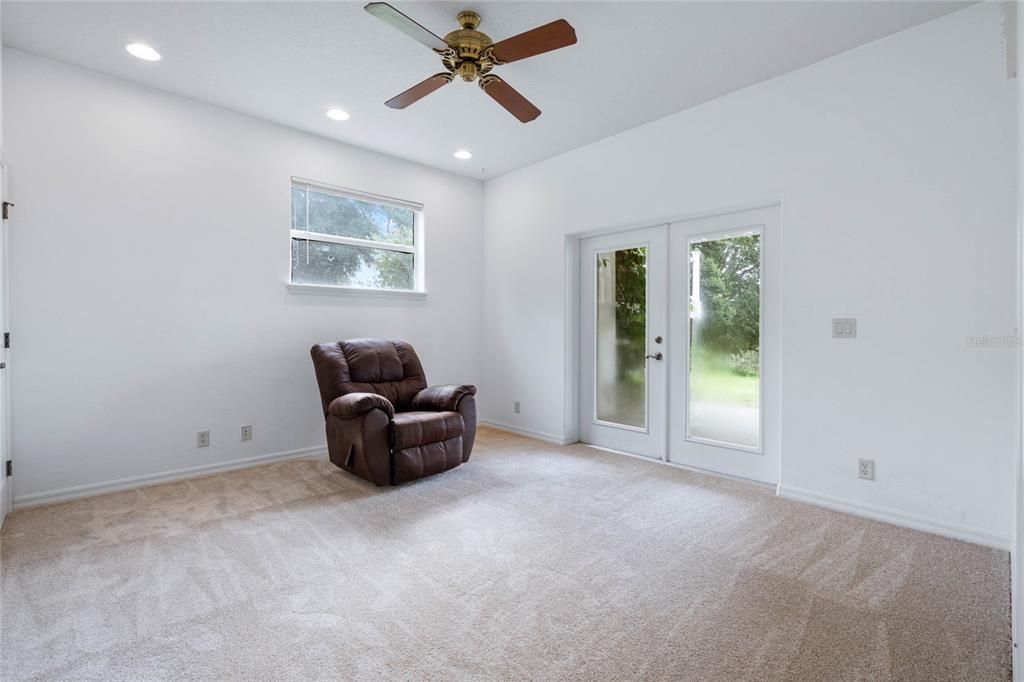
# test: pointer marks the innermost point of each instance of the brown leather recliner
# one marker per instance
(383, 423)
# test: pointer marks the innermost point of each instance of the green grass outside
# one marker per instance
(712, 380)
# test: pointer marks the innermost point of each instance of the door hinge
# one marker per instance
(7, 339)
(10, 468)
(7, 205)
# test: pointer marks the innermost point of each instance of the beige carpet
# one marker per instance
(530, 562)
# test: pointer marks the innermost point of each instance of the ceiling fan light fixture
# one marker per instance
(338, 115)
(463, 154)
(143, 52)
(470, 55)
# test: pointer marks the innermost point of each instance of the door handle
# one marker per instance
(656, 356)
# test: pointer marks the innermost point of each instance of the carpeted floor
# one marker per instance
(530, 562)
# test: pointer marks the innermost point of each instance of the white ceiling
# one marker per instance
(289, 61)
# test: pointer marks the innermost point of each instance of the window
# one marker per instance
(346, 239)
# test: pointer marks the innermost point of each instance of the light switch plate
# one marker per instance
(844, 327)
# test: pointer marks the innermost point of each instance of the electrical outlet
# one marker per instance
(517, 407)
(866, 469)
(247, 432)
(203, 439)
(844, 328)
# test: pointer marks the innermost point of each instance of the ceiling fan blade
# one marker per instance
(409, 27)
(542, 39)
(508, 97)
(419, 91)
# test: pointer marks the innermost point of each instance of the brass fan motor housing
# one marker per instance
(469, 56)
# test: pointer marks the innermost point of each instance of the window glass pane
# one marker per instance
(725, 331)
(621, 382)
(348, 217)
(298, 208)
(350, 266)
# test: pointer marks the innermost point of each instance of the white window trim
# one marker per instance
(419, 269)
(331, 290)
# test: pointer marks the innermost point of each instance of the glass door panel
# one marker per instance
(724, 378)
(621, 335)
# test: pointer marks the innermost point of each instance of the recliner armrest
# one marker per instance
(442, 398)
(352, 405)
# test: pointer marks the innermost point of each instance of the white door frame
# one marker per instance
(572, 315)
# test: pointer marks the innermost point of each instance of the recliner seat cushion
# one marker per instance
(412, 429)
(420, 461)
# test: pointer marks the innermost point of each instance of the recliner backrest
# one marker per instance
(388, 368)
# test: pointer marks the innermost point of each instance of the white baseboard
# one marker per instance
(897, 518)
(120, 484)
(539, 435)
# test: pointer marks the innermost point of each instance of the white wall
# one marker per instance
(895, 164)
(148, 266)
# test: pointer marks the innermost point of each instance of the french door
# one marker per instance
(679, 343)
(724, 323)
(623, 323)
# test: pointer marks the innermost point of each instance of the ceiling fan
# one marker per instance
(471, 55)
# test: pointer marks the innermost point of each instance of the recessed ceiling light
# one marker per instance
(463, 154)
(337, 115)
(143, 51)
